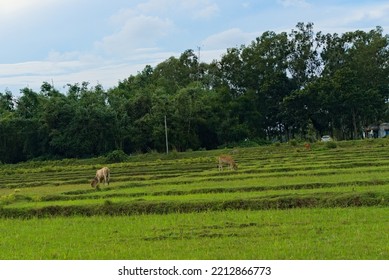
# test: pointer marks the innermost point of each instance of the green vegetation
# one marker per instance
(351, 233)
(283, 202)
(280, 87)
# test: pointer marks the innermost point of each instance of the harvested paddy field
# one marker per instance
(283, 202)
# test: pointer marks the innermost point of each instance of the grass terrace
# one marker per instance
(283, 202)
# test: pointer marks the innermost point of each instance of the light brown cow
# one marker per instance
(307, 146)
(101, 174)
(227, 160)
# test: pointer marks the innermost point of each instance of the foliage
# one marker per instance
(331, 145)
(116, 157)
(280, 87)
(293, 142)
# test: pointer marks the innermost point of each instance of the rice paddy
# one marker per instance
(283, 202)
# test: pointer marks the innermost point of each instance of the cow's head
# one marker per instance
(94, 182)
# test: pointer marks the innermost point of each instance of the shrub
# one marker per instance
(173, 154)
(116, 157)
(277, 144)
(331, 145)
(293, 142)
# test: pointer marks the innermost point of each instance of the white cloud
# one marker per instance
(206, 12)
(370, 12)
(75, 67)
(144, 25)
(39, 68)
(33, 74)
(229, 38)
(8, 7)
(136, 32)
(16, 10)
(343, 18)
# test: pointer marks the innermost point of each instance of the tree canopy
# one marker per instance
(281, 86)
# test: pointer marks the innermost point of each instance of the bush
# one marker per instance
(293, 142)
(116, 157)
(331, 145)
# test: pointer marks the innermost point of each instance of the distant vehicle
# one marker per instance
(326, 138)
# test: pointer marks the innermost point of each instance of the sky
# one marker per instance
(103, 42)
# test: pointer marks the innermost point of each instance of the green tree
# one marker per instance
(6, 102)
(355, 66)
(304, 60)
(267, 83)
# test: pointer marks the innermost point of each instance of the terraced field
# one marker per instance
(283, 202)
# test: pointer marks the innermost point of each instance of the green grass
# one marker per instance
(350, 233)
(282, 203)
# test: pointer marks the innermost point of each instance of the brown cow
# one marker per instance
(307, 146)
(228, 160)
(101, 174)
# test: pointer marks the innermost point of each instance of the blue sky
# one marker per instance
(99, 41)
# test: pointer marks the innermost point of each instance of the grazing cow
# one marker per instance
(228, 160)
(307, 146)
(101, 174)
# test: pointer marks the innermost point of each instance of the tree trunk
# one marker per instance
(354, 124)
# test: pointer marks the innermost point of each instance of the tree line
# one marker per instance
(281, 86)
